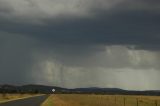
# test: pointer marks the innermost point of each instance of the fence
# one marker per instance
(125, 101)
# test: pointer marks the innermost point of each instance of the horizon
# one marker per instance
(79, 87)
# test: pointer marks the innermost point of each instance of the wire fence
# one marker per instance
(125, 101)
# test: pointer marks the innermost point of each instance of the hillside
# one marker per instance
(92, 90)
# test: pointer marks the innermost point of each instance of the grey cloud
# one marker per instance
(116, 28)
(16, 59)
(28, 60)
(90, 39)
(38, 11)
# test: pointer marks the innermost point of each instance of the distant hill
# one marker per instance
(27, 89)
(92, 90)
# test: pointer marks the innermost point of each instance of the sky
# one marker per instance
(81, 43)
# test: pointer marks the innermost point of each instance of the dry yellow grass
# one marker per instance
(100, 100)
(6, 97)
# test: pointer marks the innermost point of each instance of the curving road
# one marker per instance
(32, 101)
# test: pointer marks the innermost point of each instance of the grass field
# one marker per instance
(6, 97)
(101, 100)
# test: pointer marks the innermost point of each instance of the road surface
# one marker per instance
(33, 101)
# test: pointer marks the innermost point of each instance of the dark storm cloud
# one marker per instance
(149, 2)
(59, 42)
(120, 27)
(117, 26)
(15, 58)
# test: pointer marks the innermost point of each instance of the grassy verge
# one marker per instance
(101, 100)
(8, 97)
(49, 101)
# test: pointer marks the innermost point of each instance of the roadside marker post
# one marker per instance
(53, 90)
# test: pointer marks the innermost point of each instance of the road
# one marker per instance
(32, 101)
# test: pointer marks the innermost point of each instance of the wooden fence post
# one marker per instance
(156, 103)
(124, 101)
(137, 101)
(115, 100)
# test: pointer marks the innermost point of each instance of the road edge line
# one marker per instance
(20, 98)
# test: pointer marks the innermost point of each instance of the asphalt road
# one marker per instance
(33, 101)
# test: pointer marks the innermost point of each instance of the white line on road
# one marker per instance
(20, 98)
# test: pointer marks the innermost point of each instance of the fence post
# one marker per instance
(124, 101)
(137, 101)
(115, 100)
(156, 103)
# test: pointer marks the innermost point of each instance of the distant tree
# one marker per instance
(36, 91)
